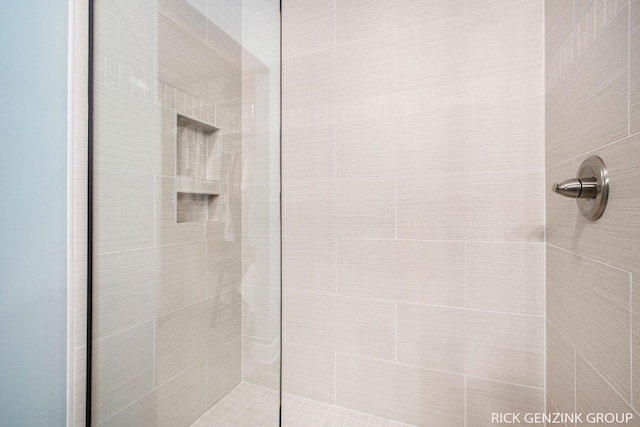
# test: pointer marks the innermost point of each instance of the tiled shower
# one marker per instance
(337, 212)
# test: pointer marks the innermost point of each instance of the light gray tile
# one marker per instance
(507, 277)
(489, 44)
(408, 144)
(495, 346)
(472, 207)
(635, 339)
(136, 286)
(558, 18)
(589, 303)
(224, 370)
(122, 370)
(80, 302)
(399, 392)
(261, 261)
(485, 398)
(634, 68)
(594, 395)
(615, 237)
(307, 26)
(261, 362)
(309, 372)
(167, 229)
(261, 312)
(225, 26)
(560, 221)
(309, 264)
(260, 209)
(224, 265)
(187, 336)
(356, 70)
(361, 19)
(178, 402)
(561, 370)
(409, 271)
(587, 106)
(351, 325)
(123, 211)
(348, 209)
(189, 14)
(504, 135)
(309, 153)
(416, 12)
(80, 381)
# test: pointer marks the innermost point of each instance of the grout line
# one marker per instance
(588, 258)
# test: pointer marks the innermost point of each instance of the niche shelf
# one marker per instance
(198, 170)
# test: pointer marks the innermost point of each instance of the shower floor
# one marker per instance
(249, 405)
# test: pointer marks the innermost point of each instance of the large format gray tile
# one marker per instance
(189, 14)
(224, 265)
(495, 346)
(137, 286)
(484, 398)
(634, 68)
(123, 211)
(309, 153)
(261, 362)
(261, 261)
(587, 106)
(615, 237)
(507, 277)
(224, 370)
(122, 370)
(399, 392)
(558, 28)
(309, 372)
(189, 335)
(261, 312)
(309, 264)
(561, 370)
(178, 402)
(589, 303)
(308, 26)
(348, 209)
(504, 135)
(407, 144)
(594, 395)
(167, 228)
(409, 271)
(494, 43)
(472, 207)
(351, 325)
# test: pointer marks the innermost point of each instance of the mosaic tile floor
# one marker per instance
(251, 406)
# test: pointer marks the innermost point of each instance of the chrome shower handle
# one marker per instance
(578, 188)
(590, 188)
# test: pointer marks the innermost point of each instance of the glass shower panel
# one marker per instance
(186, 225)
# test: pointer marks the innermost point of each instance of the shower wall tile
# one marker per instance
(559, 17)
(615, 237)
(224, 266)
(122, 370)
(588, 302)
(260, 204)
(224, 27)
(496, 43)
(455, 207)
(309, 25)
(309, 372)
(361, 69)
(561, 370)
(349, 325)
(190, 15)
(471, 6)
(349, 209)
(399, 392)
(415, 12)
(635, 338)
(186, 337)
(260, 312)
(587, 106)
(364, 19)
(401, 145)
(594, 394)
(261, 362)
(224, 370)
(402, 270)
(167, 229)
(309, 153)
(136, 286)
(504, 135)
(506, 277)
(132, 134)
(309, 265)
(261, 261)
(560, 227)
(80, 302)
(125, 35)
(123, 209)
(634, 69)
(179, 401)
(494, 346)
(484, 398)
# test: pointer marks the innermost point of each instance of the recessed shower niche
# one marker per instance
(198, 170)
